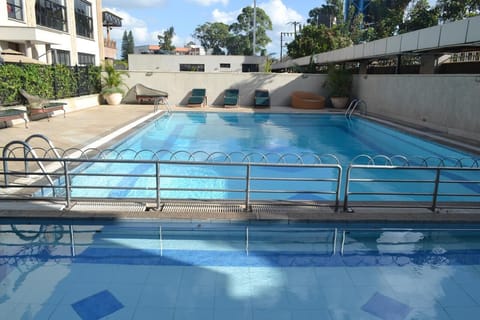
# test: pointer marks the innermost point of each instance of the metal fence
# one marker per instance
(308, 179)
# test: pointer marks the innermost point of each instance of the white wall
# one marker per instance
(171, 63)
(449, 103)
(179, 85)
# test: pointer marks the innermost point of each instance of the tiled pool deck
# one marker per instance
(85, 127)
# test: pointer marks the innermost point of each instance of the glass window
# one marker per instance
(225, 65)
(83, 18)
(61, 57)
(85, 59)
(15, 9)
(51, 14)
(249, 67)
(192, 67)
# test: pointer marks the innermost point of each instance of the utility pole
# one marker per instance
(282, 35)
(254, 27)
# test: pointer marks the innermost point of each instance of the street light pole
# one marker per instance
(254, 26)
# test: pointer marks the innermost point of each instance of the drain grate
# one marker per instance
(202, 208)
(109, 206)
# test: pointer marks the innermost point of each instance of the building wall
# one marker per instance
(35, 41)
(171, 63)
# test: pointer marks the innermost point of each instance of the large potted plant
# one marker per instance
(339, 85)
(113, 84)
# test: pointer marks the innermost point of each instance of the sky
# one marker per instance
(149, 18)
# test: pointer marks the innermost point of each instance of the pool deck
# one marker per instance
(89, 127)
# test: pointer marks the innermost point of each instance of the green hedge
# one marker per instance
(51, 82)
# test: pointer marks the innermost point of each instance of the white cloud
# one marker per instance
(134, 4)
(208, 3)
(137, 26)
(225, 17)
(280, 14)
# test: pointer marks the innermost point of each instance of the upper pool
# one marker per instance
(294, 157)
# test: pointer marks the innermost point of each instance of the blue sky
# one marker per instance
(148, 18)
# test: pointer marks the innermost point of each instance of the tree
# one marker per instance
(451, 10)
(420, 16)
(165, 40)
(385, 17)
(328, 14)
(317, 39)
(131, 43)
(213, 36)
(124, 50)
(243, 29)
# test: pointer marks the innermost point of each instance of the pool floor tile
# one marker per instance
(154, 295)
(463, 313)
(188, 313)
(386, 308)
(97, 306)
(154, 313)
(232, 313)
(276, 313)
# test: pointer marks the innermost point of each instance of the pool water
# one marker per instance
(271, 138)
(235, 271)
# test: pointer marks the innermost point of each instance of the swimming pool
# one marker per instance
(327, 142)
(76, 270)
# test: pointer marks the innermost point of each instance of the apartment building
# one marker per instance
(53, 31)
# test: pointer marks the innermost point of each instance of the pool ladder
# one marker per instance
(163, 101)
(353, 106)
(27, 149)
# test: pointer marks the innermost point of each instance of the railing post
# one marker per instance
(67, 184)
(347, 185)
(157, 184)
(435, 190)
(247, 189)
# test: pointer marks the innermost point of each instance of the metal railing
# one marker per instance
(151, 180)
(159, 176)
(353, 106)
(431, 183)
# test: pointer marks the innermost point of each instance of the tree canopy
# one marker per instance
(165, 40)
(213, 36)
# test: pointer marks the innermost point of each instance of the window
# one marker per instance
(51, 14)
(61, 57)
(85, 59)
(225, 65)
(15, 9)
(83, 18)
(192, 67)
(249, 67)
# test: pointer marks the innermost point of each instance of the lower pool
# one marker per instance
(200, 271)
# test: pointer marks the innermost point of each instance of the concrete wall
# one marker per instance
(448, 103)
(171, 63)
(180, 84)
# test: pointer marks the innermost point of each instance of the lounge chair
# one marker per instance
(11, 114)
(230, 99)
(198, 98)
(37, 105)
(262, 98)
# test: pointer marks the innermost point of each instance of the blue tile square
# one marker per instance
(97, 306)
(386, 308)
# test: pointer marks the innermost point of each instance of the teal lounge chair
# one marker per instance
(198, 98)
(230, 98)
(262, 98)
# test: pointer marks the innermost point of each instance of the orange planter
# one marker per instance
(307, 100)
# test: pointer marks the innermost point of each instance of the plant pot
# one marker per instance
(113, 98)
(339, 102)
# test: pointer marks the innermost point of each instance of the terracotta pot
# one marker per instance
(113, 98)
(339, 102)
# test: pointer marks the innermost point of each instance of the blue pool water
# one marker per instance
(272, 138)
(235, 271)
